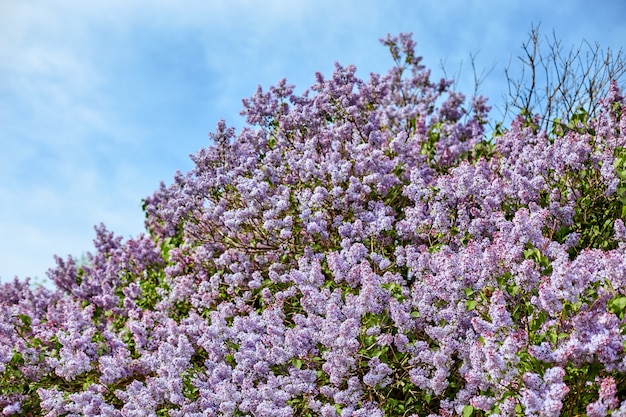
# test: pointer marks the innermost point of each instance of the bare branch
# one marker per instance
(556, 83)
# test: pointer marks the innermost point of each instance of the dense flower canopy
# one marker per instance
(359, 250)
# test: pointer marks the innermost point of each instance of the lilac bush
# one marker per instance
(361, 249)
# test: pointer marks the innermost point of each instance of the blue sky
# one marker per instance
(100, 100)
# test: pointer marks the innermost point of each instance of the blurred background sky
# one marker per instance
(100, 100)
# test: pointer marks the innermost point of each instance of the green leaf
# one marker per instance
(470, 304)
(552, 337)
(25, 319)
(468, 410)
(17, 358)
(617, 306)
(619, 302)
(513, 290)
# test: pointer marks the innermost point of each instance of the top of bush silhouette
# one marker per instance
(360, 250)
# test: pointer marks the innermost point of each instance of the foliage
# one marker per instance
(359, 250)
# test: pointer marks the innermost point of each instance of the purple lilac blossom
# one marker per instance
(358, 250)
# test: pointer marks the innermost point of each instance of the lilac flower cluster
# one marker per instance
(358, 250)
